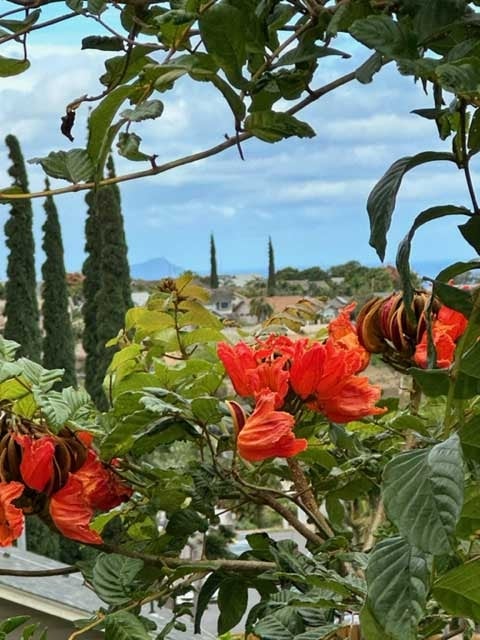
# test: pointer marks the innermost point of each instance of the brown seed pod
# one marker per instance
(384, 326)
(69, 455)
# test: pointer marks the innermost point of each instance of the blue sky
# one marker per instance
(308, 195)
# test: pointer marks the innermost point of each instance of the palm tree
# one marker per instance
(261, 309)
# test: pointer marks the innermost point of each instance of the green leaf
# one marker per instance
(365, 72)
(207, 410)
(469, 523)
(128, 146)
(123, 625)
(471, 232)
(434, 16)
(470, 438)
(423, 494)
(458, 591)
(385, 35)
(474, 133)
(346, 14)
(103, 43)
(370, 626)
(10, 624)
(398, 584)
(185, 522)
(403, 252)
(96, 6)
(306, 52)
(209, 587)
(148, 110)
(233, 100)
(455, 298)
(29, 631)
(100, 134)
(272, 126)
(222, 28)
(282, 624)
(53, 406)
(113, 576)
(232, 603)
(381, 201)
(19, 25)
(470, 361)
(75, 5)
(74, 165)
(461, 77)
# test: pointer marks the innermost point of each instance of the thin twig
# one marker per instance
(465, 157)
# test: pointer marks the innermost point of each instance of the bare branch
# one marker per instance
(39, 573)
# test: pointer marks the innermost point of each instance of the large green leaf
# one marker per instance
(74, 165)
(398, 583)
(53, 407)
(381, 201)
(433, 382)
(209, 587)
(232, 603)
(282, 624)
(423, 494)
(272, 126)
(435, 16)
(12, 66)
(148, 110)
(385, 35)
(458, 591)
(461, 77)
(222, 28)
(113, 577)
(10, 624)
(100, 133)
(403, 252)
(123, 625)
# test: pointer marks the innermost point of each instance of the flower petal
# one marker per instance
(72, 512)
(268, 433)
(355, 400)
(237, 360)
(307, 369)
(11, 517)
(36, 466)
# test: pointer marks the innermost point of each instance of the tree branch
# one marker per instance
(179, 162)
(39, 573)
(197, 566)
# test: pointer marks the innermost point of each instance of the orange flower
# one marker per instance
(447, 328)
(102, 487)
(307, 369)
(71, 512)
(270, 377)
(36, 466)
(237, 361)
(11, 517)
(267, 433)
(356, 399)
(343, 333)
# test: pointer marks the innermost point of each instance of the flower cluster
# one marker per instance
(281, 373)
(57, 476)
(385, 327)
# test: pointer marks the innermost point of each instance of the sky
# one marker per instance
(309, 195)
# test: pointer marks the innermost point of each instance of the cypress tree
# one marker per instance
(213, 264)
(21, 307)
(106, 286)
(113, 297)
(271, 270)
(91, 283)
(58, 343)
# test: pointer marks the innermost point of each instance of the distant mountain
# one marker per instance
(155, 269)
